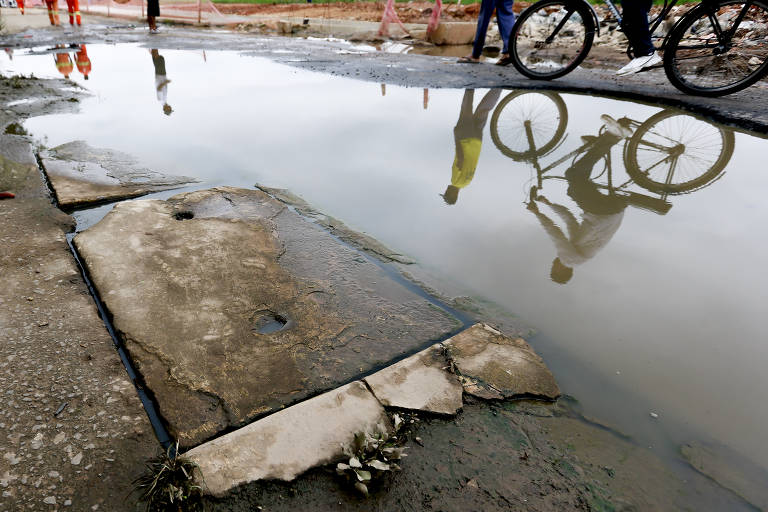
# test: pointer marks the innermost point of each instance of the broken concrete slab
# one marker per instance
(420, 383)
(313, 433)
(729, 469)
(80, 175)
(232, 305)
(494, 366)
(337, 227)
(453, 32)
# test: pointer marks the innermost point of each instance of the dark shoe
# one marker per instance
(504, 61)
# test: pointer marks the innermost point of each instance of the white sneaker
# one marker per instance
(639, 64)
(614, 127)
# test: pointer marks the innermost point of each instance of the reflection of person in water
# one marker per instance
(468, 136)
(83, 62)
(161, 81)
(63, 62)
(602, 215)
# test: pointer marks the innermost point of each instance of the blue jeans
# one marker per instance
(635, 25)
(504, 16)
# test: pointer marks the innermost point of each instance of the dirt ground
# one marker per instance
(410, 12)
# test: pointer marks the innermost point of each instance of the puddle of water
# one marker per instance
(648, 296)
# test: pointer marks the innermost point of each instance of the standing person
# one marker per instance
(504, 17)
(468, 137)
(153, 11)
(63, 62)
(161, 81)
(53, 11)
(635, 26)
(83, 62)
(73, 6)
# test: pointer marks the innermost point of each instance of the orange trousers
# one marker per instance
(20, 3)
(53, 11)
(73, 6)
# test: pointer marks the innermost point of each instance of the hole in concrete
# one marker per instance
(184, 215)
(267, 322)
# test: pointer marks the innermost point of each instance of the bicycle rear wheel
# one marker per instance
(551, 38)
(696, 61)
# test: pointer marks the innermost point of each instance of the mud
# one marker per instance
(75, 434)
(503, 456)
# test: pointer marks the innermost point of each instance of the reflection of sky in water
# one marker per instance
(671, 311)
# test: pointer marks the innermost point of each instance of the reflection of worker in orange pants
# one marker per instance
(64, 63)
(83, 62)
(20, 3)
(53, 11)
(73, 6)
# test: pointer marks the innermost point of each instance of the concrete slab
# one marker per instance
(420, 382)
(80, 175)
(454, 32)
(494, 366)
(287, 443)
(232, 305)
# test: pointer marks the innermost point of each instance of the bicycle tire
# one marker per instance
(558, 132)
(690, 77)
(706, 142)
(527, 33)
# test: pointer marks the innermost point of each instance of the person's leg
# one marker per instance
(485, 106)
(71, 11)
(635, 25)
(76, 3)
(49, 5)
(483, 19)
(20, 3)
(506, 20)
(56, 11)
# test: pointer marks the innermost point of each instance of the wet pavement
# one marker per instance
(643, 289)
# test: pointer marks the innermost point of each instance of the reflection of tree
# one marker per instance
(670, 153)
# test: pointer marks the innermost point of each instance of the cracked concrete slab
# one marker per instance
(420, 382)
(494, 366)
(81, 175)
(233, 305)
(282, 446)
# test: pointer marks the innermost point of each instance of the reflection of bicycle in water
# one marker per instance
(671, 153)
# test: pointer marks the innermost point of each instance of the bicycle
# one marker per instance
(716, 48)
(671, 153)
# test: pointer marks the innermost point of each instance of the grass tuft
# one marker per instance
(170, 483)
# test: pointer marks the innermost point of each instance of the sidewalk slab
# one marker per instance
(289, 442)
(494, 366)
(81, 175)
(420, 383)
(232, 305)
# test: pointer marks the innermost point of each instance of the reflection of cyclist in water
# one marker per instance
(468, 136)
(602, 215)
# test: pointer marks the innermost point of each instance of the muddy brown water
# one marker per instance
(652, 316)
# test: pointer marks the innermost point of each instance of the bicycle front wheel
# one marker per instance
(699, 59)
(551, 38)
